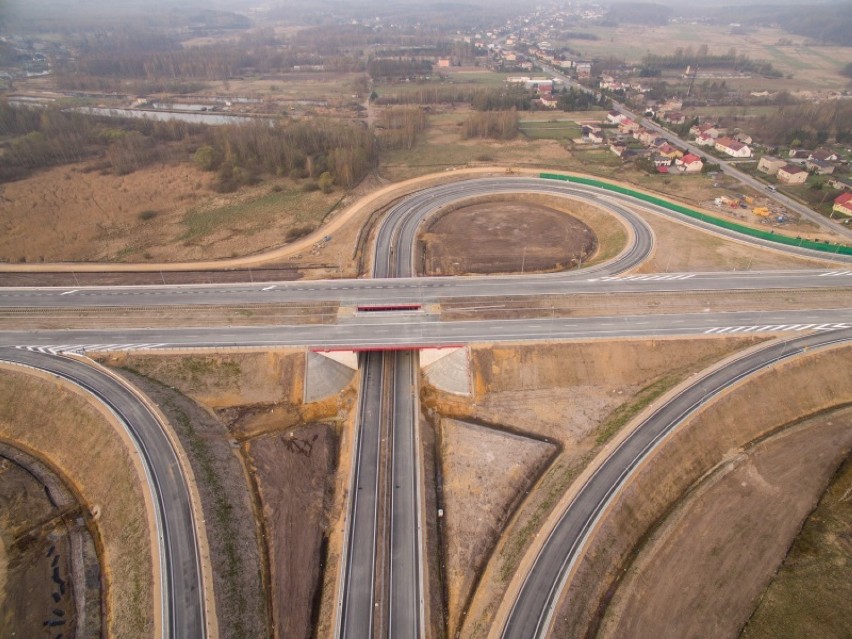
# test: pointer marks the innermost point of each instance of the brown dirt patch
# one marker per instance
(485, 473)
(702, 571)
(74, 213)
(296, 477)
(34, 416)
(504, 237)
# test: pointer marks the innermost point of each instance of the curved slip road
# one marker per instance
(182, 602)
(532, 612)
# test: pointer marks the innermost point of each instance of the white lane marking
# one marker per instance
(70, 292)
(268, 288)
(719, 330)
(835, 274)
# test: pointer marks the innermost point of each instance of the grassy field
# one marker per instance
(562, 131)
(810, 596)
(306, 210)
(813, 68)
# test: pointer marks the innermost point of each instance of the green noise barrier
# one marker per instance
(679, 208)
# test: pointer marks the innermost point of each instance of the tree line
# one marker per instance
(239, 154)
(702, 58)
(499, 125)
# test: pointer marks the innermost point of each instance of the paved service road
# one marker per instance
(405, 605)
(182, 593)
(533, 610)
(358, 591)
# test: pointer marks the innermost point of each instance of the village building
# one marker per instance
(770, 165)
(732, 147)
(843, 204)
(789, 174)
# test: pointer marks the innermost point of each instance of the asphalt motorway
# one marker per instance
(358, 588)
(533, 610)
(182, 602)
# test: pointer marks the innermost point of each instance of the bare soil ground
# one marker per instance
(701, 572)
(504, 237)
(36, 589)
(577, 395)
(34, 415)
(159, 214)
(485, 472)
(296, 477)
(810, 595)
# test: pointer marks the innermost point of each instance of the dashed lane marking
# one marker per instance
(647, 278)
(60, 349)
(727, 330)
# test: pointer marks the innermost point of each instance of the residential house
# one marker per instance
(619, 149)
(443, 63)
(739, 136)
(593, 135)
(628, 126)
(668, 151)
(614, 117)
(770, 165)
(824, 155)
(799, 156)
(710, 130)
(689, 163)
(732, 147)
(790, 174)
(674, 117)
(645, 136)
(584, 69)
(820, 167)
(843, 204)
(705, 140)
(841, 182)
(548, 101)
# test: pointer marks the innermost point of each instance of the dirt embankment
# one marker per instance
(573, 395)
(269, 469)
(36, 415)
(786, 393)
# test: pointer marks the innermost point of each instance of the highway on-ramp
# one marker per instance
(182, 603)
